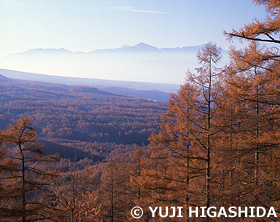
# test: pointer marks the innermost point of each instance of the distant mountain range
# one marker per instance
(139, 48)
(138, 63)
(143, 47)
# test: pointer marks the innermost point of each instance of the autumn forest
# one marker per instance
(76, 153)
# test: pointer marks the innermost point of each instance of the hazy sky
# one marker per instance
(85, 25)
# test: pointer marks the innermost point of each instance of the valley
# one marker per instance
(96, 123)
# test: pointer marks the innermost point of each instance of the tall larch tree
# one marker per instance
(114, 192)
(24, 182)
(206, 78)
(256, 83)
(184, 147)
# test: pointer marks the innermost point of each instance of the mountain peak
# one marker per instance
(125, 46)
(144, 46)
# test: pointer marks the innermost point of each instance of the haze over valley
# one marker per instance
(139, 63)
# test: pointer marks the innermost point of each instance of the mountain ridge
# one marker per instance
(4, 78)
(138, 63)
(152, 91)
(140, 47)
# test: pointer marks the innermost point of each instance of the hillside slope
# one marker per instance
(152, 91)
(97, 123)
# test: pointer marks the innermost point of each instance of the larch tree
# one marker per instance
(173, 160)
(206, 81)
(113, 195)
(183, 149)
(255, 124)
(74, 197)
(136, 163)
(24, 183)
(265, 30)
(256, 83)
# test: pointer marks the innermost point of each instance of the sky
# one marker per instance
(86, 25)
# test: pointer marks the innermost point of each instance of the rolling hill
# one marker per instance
(95, 123)
(152, 91)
